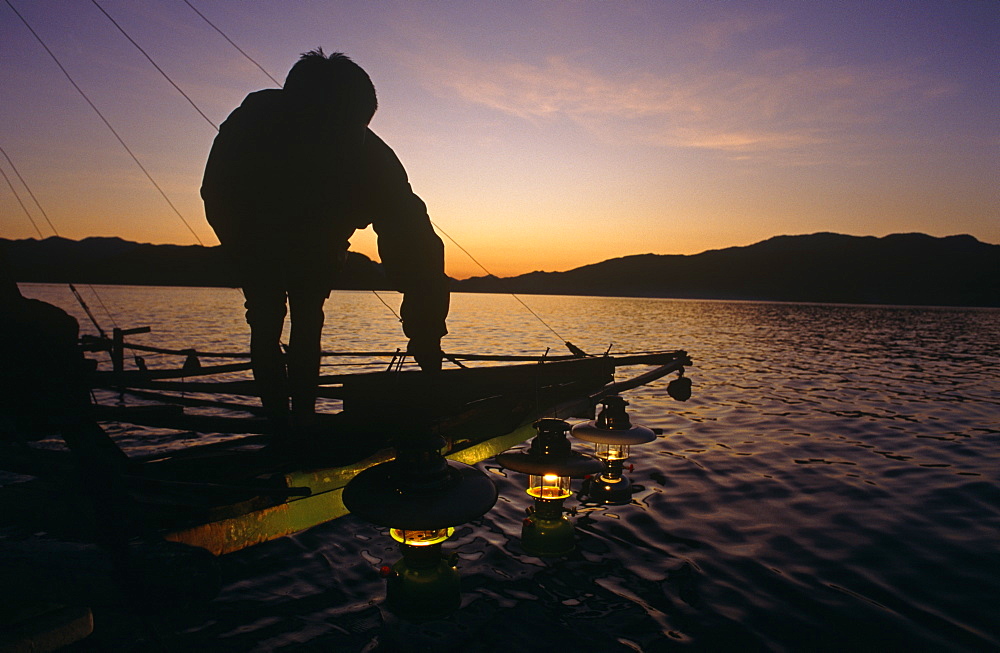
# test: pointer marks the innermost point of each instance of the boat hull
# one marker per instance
(231, 495)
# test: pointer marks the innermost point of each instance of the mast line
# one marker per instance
(160, 70)
(21, 202)
(76, 294)
(106, 123)
(35, 199)
(232, 43)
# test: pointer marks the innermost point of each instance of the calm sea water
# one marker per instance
(833, 485)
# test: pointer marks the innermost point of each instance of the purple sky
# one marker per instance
(542, 135)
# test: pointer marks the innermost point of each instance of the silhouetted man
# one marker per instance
(291, 175)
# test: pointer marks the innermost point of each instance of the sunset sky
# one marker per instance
(542, 135)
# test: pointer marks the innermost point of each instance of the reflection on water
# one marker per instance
(832, 485)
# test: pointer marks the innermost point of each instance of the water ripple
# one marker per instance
(834, 484)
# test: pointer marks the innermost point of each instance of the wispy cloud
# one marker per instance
(717, 34)
(774, 101)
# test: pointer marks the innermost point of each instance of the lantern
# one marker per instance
(612, 434)
(550, 463)
(421, 497)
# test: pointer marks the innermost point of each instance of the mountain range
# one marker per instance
(908, 269)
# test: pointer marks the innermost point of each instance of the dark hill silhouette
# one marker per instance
(117, 261)
(899, 269)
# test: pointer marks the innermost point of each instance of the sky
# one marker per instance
(541, 135)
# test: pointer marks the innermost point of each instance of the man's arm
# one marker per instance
(412, 254)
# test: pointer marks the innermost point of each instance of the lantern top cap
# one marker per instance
(550, 452)
(613, 426)
(551, 425)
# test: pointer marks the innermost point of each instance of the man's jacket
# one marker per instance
(285, 188)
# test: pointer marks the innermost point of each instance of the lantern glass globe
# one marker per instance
(549, 486)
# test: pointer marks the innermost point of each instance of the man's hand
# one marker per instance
(427, 353)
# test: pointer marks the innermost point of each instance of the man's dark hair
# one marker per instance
(335, 77)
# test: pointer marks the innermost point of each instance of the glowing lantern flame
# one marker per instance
(421, 538)
(549, 486)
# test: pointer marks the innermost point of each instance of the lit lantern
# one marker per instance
(612, 434)
(548, 486)
(421, 497)
(550, 463)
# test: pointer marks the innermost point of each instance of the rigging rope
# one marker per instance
(76, 294)
(160, 70)
(528, 308)
(105, 121)
(28, 188)
(238, 48)
(18, 198)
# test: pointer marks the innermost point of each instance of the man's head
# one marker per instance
(334, 79)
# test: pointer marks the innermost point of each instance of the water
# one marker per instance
(832, 485)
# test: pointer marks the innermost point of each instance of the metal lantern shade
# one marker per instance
(612, 434)
(591, 432)
(572, 465)
(380, 495)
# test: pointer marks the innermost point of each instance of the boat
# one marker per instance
(235, 492)
(219, 498)
(238, 491)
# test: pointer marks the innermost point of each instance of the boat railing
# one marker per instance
(117, 347)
